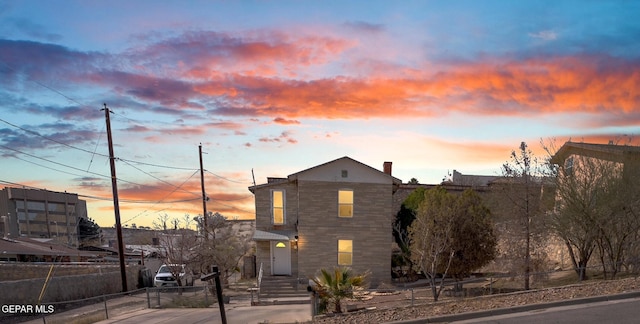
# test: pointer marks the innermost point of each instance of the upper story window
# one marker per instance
(345, 203)
(568, 166)
(277, 207)
(345, 252)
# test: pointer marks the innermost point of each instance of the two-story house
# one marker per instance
(334, 214)
(628, 157)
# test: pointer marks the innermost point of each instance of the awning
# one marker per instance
(274, 235)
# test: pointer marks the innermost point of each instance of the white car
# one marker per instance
(164, 277)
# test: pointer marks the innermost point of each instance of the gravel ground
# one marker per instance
(422, 309)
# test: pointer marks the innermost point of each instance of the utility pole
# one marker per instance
(204, 197)
(116, 205)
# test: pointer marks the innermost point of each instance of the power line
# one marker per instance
(96, 148)
(74, 168)
(43, 85)
(15, 184)
(237, 199)
(50, 139)
(92, 152)
(46, 167)
(163, 181)
(134, 217)
(138, 201)
(227, 179)
(83, 105)
(53, 162)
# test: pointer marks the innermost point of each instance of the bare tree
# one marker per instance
(522, 210)
(179, 250)
(187, 220)
(224, 246)
(161, 223)
(597, 208)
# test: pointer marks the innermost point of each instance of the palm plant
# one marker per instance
(333, 287)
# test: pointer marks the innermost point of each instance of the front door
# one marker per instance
(280, 258)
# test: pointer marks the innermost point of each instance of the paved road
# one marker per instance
(242, 314)
(615, 311)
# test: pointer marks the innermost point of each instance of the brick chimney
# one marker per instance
(386, 167)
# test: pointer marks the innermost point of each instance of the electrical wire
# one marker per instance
(163, 181)
(78, 169)
(94, 153)
(96, 148)
(134, 217)
(50, 139)
(227, 179)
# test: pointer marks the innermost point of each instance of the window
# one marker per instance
(277, 206)
(345, 252)
(345, 203)
(568, 166)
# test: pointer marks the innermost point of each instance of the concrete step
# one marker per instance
(281, 301)
(282, 287)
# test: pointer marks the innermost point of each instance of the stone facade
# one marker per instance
(369, 229)
(313, 226)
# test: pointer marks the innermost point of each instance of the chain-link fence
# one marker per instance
(191, 297)
(99, 308)
(88, 310)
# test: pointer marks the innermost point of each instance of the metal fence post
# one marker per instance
(106, 311)
(148, 299)
(412, 297)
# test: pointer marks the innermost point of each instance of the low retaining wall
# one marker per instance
(26, 270)
(65, 288)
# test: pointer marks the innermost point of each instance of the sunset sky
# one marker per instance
(281, 86)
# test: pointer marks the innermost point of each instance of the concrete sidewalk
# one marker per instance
(239, 310)
(133, 309)
(240, 314)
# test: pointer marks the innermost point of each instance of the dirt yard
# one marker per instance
(395, 306)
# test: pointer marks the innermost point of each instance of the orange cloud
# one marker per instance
(265, 53)
(280, 120)
(552, 85)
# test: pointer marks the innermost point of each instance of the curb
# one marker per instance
(518, 309)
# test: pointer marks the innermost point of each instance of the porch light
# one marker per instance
(280, 245)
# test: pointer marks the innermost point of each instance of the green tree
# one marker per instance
(403, 220)
(451, 235)
(333, 287)
(474, 241)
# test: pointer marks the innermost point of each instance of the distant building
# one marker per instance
(472, 181)
(39, 250)
(628, 157)
(37, 213)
